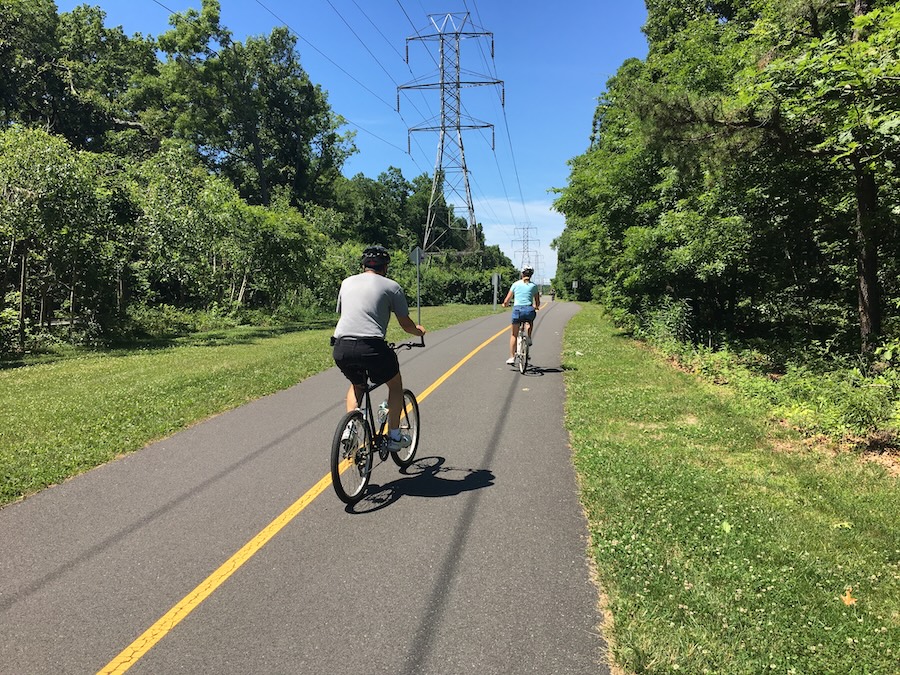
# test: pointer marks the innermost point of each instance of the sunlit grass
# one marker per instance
(720, 549)
(60, 418)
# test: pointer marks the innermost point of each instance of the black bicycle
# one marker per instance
(363, 432)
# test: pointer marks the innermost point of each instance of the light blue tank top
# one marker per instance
(523, 292)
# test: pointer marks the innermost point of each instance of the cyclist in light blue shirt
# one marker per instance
(526, 301)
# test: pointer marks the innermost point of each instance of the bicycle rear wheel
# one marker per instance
(351, 457)
(523, 351)
(409, 424)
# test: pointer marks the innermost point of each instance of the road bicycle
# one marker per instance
(363, 432)
(522, 347)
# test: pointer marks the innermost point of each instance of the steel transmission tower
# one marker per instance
(524, 248)
(450, 172)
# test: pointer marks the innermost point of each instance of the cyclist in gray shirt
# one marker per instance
(365, 303)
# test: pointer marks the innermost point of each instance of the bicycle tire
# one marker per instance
(351, 460)
(409, 424)
(523, 358)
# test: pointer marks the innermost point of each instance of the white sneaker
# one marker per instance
(397, 444)
(511, 360)
(348, 430)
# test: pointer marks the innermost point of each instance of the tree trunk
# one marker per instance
(72, 305)
(9, 261)
(120, 293)
(860, 7)
(259, 164)
(867, 286)
(867, 239)
(22, 279)
(243, 289)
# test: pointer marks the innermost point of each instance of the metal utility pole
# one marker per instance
(450, 172)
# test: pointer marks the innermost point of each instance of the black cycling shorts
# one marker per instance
(364, 359)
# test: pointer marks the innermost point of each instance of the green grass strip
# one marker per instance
(723, 548)
(61, 418)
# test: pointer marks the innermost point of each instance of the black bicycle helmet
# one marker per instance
(375, 256)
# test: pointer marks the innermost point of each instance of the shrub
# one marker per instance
(9, 327)
(667, 324)
(836, 403)
(159, 321)
(819, 393)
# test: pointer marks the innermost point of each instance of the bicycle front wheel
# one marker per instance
(351, 457)
(409, 425)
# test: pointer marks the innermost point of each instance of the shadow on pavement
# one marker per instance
(538, 371)
(425, 477)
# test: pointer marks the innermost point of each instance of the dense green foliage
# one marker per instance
(188, 172)
(738, 202)
(746, 173)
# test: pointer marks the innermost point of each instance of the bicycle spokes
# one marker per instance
(351, 457)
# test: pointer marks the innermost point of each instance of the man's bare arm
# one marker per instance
(410, 326)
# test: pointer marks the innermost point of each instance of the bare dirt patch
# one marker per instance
(881, 448)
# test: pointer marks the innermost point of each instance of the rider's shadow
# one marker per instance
(426, 477)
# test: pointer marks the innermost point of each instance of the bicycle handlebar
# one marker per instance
(406, 345)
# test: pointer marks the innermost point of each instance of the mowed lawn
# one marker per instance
(60, 418)
(722, 544)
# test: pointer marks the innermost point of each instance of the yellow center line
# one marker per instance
(438, 382)
(130, 655)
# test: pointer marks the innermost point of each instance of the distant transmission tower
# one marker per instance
(451, 176)
(525, 248)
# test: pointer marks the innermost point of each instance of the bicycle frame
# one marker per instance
(379, 438)
(523, 330)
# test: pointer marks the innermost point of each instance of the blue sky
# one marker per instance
(554, 59)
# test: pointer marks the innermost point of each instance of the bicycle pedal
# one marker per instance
(381, 447)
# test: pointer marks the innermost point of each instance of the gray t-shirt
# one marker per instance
(365, 303)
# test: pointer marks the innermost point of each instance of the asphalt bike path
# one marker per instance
(223, 549)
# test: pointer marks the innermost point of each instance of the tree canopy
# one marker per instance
(191, 171)
(746, 171)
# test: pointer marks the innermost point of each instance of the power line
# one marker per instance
(489, 65)
(321, 53)
(450, 170)
(361, 41)
(354, 79)
(374, 58)
(506, 127)
(170, 11)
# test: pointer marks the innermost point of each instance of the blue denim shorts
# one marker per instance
(523, 313)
